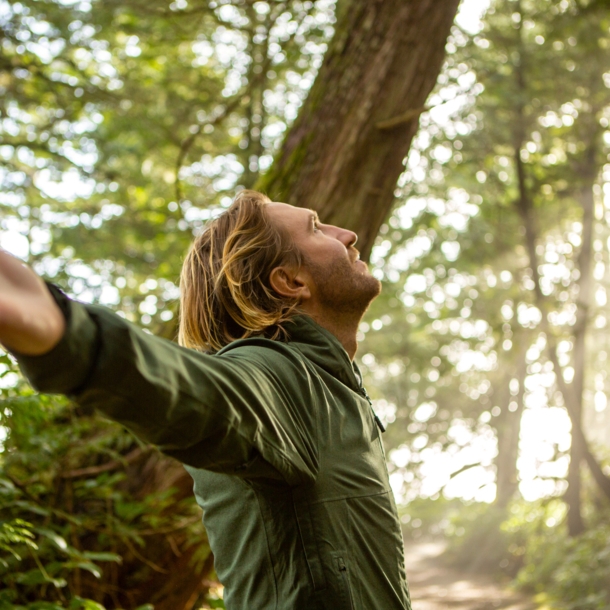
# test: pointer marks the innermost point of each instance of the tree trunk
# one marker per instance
(577, 449)
(572, 393)
(508, 428)
(345, 151)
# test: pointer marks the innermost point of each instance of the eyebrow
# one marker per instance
(314, 216)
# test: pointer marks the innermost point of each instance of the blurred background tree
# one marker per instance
(125, 126)
(495, 273)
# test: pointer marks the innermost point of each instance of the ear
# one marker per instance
(290, 283)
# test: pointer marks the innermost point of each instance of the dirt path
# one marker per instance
(435, 587)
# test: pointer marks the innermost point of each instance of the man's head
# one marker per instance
(259, 264)
(331, 278)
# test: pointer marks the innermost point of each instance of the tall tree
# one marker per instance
(346, 149)
(494, 251)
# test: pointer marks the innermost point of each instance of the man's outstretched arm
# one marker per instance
(213, 412)
(31, 322)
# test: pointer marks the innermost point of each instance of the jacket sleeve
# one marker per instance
(218, 412)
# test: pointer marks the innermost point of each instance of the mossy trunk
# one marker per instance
(346, 149)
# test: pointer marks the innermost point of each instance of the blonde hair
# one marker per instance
(225, 289)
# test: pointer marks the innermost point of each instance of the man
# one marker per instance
(272, 422)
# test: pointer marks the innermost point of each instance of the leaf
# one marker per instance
(34, 508)
(91, 605)
(6, 596)
(37, 577)
(78, 603)
(95, 556)
(59, 542)
(85, 565)
(33, 577)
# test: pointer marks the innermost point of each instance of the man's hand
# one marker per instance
(31, 323)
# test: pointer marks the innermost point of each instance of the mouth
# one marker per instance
(359, 262)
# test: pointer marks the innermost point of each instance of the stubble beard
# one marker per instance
(341, 289)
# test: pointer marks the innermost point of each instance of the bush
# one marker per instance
(67, 519)
(570, 573)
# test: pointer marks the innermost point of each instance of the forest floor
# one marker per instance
(434, 586)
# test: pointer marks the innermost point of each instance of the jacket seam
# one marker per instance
(343, 498)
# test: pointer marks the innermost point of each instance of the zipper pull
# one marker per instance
(376, 417)
(381, 426)
(366, 395)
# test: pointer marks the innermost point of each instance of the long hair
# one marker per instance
(225, 289)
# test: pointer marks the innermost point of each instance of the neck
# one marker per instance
(343, 326)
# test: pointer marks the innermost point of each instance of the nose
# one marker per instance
(346, 237)
(351, 238)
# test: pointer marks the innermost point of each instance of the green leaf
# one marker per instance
(95, 556)
(31, 507)
(59, 542)
(37, 577)
(78, 603)
(85, 565)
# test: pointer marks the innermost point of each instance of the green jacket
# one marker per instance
(280, 439)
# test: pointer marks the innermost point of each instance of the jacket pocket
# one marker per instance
(344, 584)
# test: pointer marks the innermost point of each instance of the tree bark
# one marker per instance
(345, 151)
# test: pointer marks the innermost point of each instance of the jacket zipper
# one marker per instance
(345, 579)
(364, 393)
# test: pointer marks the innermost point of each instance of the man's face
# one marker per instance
(338, 278)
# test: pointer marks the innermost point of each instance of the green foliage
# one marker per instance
(61, 532)
(15, 533)
(478, 542)
(567, 573)
(426, 518)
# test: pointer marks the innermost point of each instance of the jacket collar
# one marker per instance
(323, 349)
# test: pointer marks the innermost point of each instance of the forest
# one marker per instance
(467, 144)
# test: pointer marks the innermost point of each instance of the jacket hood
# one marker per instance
(323, 349)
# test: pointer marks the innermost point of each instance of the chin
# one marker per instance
(345, 287)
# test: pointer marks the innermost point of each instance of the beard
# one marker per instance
(341, 288)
